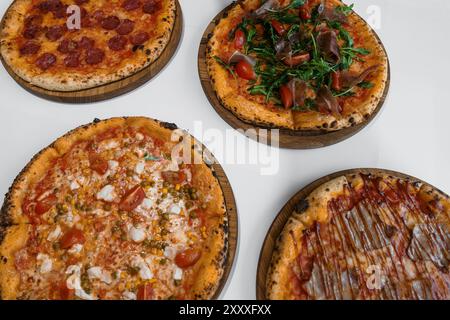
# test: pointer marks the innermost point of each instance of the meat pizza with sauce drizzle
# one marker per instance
(297, 64)
(366, 235)
(114, 40)
(106, 212)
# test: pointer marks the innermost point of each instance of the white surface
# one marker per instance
(410, 135)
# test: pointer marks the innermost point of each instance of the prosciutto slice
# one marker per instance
(237, 57)
(265, 8)
(329, 13)
(350, 79)
(328, 46)
(326, 102)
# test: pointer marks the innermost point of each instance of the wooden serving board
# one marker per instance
(230, 204)
(290, 139)
(113, 89)
(278, 224)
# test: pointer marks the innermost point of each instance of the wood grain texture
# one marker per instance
(230, 205)
(113, 89)
(278, 224)
(290, 139)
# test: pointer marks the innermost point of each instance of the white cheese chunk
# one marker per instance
(147, 203)
(100, 274)
(175, 209)
(127, 295)
(177, 274)
(74, 282)
(140, 166)
(45, 263)
(144, 271)
(107, 193)
(76, 248)
(112, 165)
(137, 234)
(54, 234)
(74, 185)
(170, 252)
(139, 136)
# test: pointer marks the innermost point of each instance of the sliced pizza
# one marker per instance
(300, 65)
(106, 212)
(68, 45)
(365, 236)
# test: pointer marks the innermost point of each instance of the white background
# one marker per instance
(410, 135)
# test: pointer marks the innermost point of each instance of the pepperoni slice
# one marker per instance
(110, 22)
(98, 164)
(29, 47)
(94, 56)
(72, 60)
(71, 237)
(151, 6)
(126, 27)
(130, 5)
(49, 5)
(117, 43)
(31, 31)
(98, 15)
(139, 38)
(60, 11)
(34, 20)
(55, 32)
(45, 204)
(132, 199)
(67, 46)
(45, 61)
(86, 43)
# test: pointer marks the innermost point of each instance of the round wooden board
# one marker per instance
(230, 204)
(290, 139)
(113, 89)
(278, 224)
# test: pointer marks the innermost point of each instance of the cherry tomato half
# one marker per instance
(239, 39)
(286, 97)
(245, 70)
(132, 199)
(187, 258)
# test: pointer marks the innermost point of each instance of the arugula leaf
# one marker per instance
(225, 65)
(345, 9)
(294, 4)
(366, 85)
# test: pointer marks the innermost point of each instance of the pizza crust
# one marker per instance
(255, 113)
(14, 224)
(287, 247)
(73, 80)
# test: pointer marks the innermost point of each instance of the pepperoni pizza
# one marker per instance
(68, 45)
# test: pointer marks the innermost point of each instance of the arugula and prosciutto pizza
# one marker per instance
(105, 213)
(365, 236)
(297, 64)
(115, 39)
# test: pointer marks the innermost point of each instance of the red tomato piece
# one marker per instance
(145, 292)
(187, 258)
(132, 199)
(278, 26)
(98, 164)
(297, 59)
(286, 97)
(45, 204)
(336, 80)
(305, 11)
(71, 237)
(245, 70)
(239, 39)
